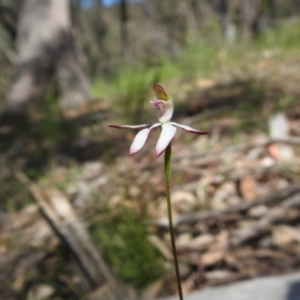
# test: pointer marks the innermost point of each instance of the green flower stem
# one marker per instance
(167, 178)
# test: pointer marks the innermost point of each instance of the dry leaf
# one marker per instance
(211, 258)
(248, 188)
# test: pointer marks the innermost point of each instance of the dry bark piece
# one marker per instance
(189, 284)
(152, 291)
(65, 223)
(211, 258)
(185, 242)
(221, 276)
(40, 292)
(183, 202)
(274, 215)
(283, 236)
(161, 246)
(240, 208)
(248, 188)
(193, 258)
(201, 242)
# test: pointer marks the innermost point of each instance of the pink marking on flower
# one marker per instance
(154, 103)
(159, 104)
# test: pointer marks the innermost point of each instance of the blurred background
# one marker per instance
(79, 218)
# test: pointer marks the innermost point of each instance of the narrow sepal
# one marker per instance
(129, 126)
(189, 129)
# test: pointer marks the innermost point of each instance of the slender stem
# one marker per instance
(167, 178)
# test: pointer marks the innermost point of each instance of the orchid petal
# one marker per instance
(130, 126)
(140, 139)
(167, 133)
(189, 129)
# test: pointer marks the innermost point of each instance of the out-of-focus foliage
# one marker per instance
(125, 245)
(155, 32)
(159, 29)
(166, 39)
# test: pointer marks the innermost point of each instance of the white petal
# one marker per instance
(165, 112)
(129, 126)
(140, 139)
(167, 133)
(189, 129)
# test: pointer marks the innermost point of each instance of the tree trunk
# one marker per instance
(250, 19)
(229, 27)
(124, 30)
(45, 47)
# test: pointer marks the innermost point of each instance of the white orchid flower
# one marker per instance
(165, 107)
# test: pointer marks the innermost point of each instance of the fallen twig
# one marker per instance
(240, 208)
(273, 216)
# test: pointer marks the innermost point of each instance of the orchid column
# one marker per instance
(165, 107)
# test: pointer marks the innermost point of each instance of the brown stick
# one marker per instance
(240, 208)
(273, 216)
(72, 233)
(214, 155)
